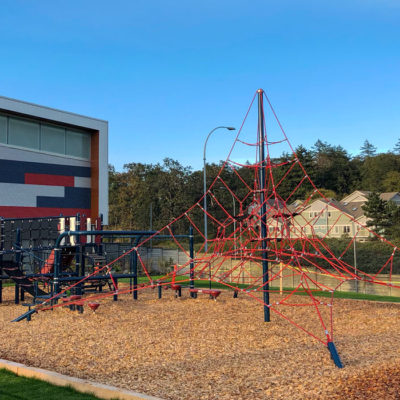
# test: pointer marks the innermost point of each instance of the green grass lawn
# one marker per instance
(338, 295)
(13, 387)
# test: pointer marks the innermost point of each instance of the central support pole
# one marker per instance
(263, 208)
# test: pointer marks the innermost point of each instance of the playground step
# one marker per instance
(97, 259)
(12, 269)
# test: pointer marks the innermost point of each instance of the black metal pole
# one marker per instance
(78, 252)
(135, 277)
(134, 271)
(17, 260)
(115, 297)
(131, 267)
(191, 253)
(263, 208)
(57, 262)
(159, 288)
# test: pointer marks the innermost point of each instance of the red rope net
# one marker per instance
(297, 247)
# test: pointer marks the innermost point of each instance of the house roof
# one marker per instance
(364, 193)
(355, 209)
(388, 196)
(330, 201)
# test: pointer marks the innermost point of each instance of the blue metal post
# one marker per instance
(134, 271)
(135, 277)
(131, 268)
(78, 252)
(159, 288)
(17, 260)
(57, 267)
(115, 297)
(191, 254)
(334, 354)
(263, 208)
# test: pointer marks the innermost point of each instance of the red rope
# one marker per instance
(287, 242)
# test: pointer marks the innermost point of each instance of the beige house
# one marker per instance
(332, 218)
(321, 217)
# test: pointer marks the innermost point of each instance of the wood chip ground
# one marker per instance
(202, 349)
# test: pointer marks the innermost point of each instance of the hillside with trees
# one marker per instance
(145, 196)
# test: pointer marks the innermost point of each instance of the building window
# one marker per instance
(336, 229)
(78, 144)
(346, 229)
(49, 138)
(329, 214)
(52, 139)
(23, 133)
(3, 129)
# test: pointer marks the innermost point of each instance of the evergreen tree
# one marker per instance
(367, 150)
(333, 169)
(374, 171)
(396, 149)
(376, 210)
(393, 230)
(391, 182)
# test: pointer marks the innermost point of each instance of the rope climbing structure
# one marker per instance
(271, 235)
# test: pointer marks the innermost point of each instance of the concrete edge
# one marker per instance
(81, 385)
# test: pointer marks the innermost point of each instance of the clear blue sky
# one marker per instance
(164, 73)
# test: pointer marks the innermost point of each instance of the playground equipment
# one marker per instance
(42, 256)
(27, 254)
(269, 239)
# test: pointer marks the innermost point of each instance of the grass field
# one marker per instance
(336, 295)
(13, 387)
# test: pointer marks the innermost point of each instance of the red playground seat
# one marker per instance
(214, 293)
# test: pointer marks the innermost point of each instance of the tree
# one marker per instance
(327, 193)
(377, 212)
(391, 183)
(290, 174)
(333, 168)
(393, 230)
(374, 171)
(396, 149)
(367, 150)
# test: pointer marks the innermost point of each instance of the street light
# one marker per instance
(230, 128)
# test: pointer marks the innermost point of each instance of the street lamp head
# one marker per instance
(230, 128)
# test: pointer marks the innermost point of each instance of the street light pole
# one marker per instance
(230, 128)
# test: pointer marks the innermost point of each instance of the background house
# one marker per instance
(332, 218)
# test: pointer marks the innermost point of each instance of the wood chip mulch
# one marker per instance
(202, 349)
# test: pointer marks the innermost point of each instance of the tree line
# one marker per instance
(149, 196)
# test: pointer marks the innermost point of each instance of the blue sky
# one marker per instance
(164, 73)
